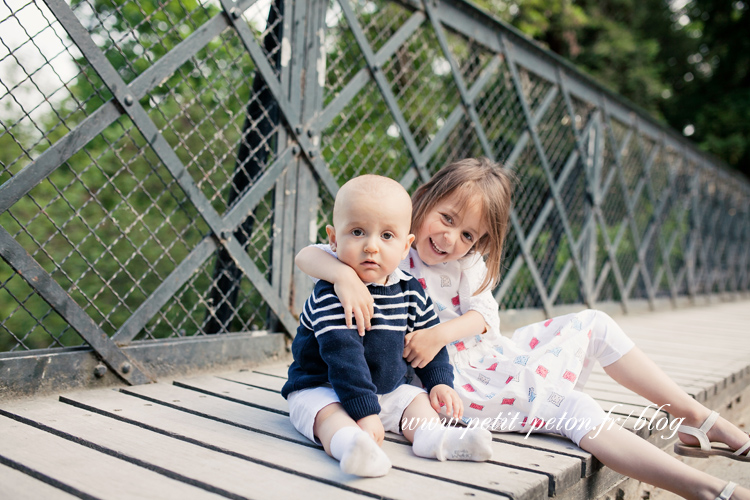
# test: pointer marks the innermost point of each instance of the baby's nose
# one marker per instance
(371, 245)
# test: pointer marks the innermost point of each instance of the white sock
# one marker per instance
(358, 453)
(453, 443)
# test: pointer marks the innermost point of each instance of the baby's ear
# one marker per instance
(409, 241)
(331, 232)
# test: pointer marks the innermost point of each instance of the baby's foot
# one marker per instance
(365, 458)
(475, 445)
(453, 443)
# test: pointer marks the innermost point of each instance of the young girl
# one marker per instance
(460, 220)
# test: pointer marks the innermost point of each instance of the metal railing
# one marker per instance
(163, 161)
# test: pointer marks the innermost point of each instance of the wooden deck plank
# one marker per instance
(217, 472)
(535, 441)
(85, 470)
(724, 351)
(231, 408)
(230, 429)
(606, 387)
(17, 485)
(682, 364)
(230, 433)
(677, 372)
(562, 471)
(256, 379)
(696, 388)
(276, 370)
(275, 383)
(554, 444)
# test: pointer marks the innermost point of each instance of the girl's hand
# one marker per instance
(357, 302)
(352, 293)
(372, 425)
(421, 346)
(442, 396)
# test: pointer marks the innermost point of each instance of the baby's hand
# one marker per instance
(357, 302)
(372, 425)
(421, 346)
(442, 396)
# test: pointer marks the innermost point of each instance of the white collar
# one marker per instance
(393, 278)
(469, 260)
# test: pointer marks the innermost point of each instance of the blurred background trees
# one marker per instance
(686, 62)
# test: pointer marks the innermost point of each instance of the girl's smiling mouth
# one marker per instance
(436, 248)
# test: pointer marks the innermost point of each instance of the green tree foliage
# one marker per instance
(713, 92)
(686, 62)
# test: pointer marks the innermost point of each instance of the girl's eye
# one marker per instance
(447, 218)
(357, 232)
(468, 236)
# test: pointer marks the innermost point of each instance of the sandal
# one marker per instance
(726, 493)
(705, 449)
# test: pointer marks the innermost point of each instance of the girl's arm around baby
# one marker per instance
(353, 294)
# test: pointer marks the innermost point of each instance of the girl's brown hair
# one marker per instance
(470, 177)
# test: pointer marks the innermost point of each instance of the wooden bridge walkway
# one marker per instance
(227, 435)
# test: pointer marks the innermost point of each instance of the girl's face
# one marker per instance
(449, 230)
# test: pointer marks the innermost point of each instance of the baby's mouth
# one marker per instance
(437, 248)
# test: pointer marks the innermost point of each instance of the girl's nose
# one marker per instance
(450, 237)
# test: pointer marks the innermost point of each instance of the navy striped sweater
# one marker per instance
(359, 368)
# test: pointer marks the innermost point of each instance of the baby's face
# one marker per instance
(372, 235)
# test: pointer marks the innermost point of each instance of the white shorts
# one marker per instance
(305, 404)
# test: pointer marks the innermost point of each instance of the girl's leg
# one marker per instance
(628, 454)
(639, 373)
(587, 425)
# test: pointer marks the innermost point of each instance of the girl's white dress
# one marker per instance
(514, 382)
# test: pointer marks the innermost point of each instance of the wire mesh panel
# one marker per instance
(142, 148)
(161, 162)
(601, 211)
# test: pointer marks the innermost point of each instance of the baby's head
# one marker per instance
(370, 232)
(464, 208)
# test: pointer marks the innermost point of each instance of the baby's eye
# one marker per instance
(388, 236)
(357, 232)
(469, 236)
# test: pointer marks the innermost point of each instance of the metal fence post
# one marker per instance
(308, 74)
